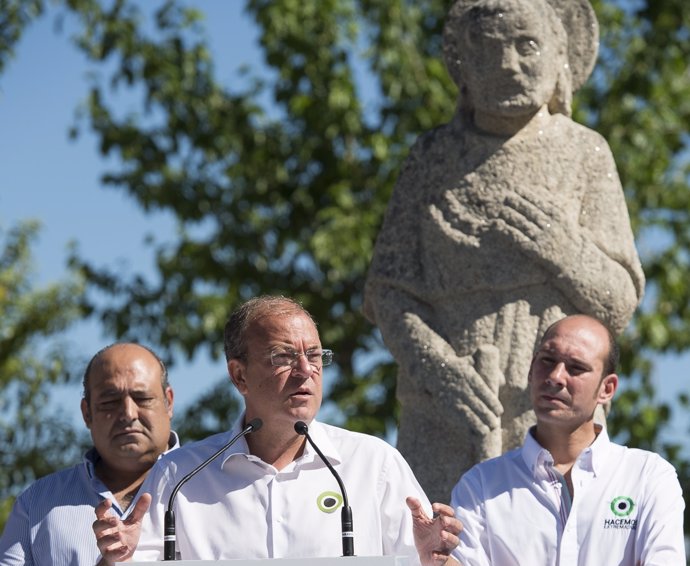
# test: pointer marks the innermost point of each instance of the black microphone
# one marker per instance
(346, 513)
(169, 538)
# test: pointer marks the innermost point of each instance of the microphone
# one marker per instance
(346, 513)
(169, 538)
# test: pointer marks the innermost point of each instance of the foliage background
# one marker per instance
(278, 182)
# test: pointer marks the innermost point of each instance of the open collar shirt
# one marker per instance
(51, 521)
(627, 509)
(242, 507)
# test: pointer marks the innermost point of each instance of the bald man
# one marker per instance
(127, 406)
(570, 496)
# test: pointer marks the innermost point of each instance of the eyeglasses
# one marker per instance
(316, 358)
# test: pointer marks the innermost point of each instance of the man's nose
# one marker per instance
(557, 375)
(128, 409)
(302, 366)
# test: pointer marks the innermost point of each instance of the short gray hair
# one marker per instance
(235, 334)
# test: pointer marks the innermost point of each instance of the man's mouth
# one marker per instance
(553, 399)
(128, 432)
(301, 393)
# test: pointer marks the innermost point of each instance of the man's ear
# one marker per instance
(237, 372)
(169, 401)
(529, 372)
(607, 388)
(86, 413)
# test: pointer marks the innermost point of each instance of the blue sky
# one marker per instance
(45, 176)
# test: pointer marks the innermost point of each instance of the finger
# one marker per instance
(452, 526)
(447, 546)
(114, 552)
(111, 542)
(105, 526)
(439, 557)
(533, 210)
(415, 506)
(481, 401)
(140, 509)
(102, 508)
(443, 509)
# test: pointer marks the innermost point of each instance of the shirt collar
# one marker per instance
(593, 457)
(600, 450)
(317, 432)
(173, 442)
(241, 446)
(92, 456)
(532, 452)
(90, 459)
(319, 435)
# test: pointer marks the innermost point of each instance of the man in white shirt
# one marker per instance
(569, 496)
(127, 406)
(270, 495)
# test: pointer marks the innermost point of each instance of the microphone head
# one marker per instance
(301, 427)
(255, 424)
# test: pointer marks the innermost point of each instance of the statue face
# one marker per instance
(509, 59)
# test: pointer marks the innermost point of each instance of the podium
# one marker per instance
(330, 561)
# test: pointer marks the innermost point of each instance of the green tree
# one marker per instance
(279, 181)
(33, 440)
(15, 15)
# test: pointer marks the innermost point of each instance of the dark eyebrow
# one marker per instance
(120, 392)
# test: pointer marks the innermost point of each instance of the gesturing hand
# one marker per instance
(118, 539)
(435, 537)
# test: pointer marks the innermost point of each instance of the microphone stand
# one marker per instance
(169, 537)
(346, 512)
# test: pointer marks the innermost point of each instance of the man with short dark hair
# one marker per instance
(127, 406)
(570, 496)
(270, 495)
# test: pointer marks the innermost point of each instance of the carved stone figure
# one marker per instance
(502, 221)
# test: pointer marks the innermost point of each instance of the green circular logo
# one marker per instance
(622, 506)
(329, 501)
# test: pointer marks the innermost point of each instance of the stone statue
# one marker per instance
(502, 221)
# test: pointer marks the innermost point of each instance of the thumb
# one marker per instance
(415, 506)
(140, 509)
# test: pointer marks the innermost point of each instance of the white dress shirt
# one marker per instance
(242, 507)
(50, 523)
(627, 509)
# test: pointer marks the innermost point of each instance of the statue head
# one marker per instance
(511, 57)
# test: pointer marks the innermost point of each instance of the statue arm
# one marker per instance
(589, 252)
(459, 384)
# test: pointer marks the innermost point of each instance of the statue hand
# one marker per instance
(540, 228)
(472, 392)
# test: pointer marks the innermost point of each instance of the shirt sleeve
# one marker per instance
(150, 546)
(397, 483)
(661, 520)
(15, 543)
(466, 500)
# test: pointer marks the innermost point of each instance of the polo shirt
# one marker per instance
(627, 509)
(51, 521)
(241, 507)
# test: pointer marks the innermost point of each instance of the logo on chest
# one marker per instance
(329, 501)
(621, 507)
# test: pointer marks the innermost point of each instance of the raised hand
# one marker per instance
(117, 539)
(435, 537)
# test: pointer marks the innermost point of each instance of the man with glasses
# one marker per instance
(270, 495)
